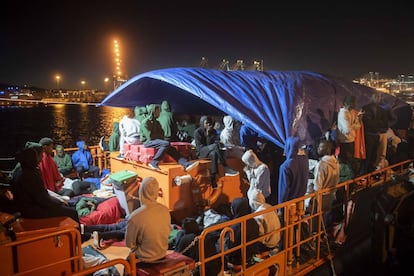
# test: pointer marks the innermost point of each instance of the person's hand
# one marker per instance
(8, 194)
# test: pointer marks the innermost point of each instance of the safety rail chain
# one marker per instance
(100, 159)
(286, 260)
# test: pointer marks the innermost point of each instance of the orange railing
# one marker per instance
(285, 260)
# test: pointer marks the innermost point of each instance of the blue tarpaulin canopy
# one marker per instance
(275, 104)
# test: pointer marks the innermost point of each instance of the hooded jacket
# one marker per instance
(150, 127)
(82, 157)
(327, 173)
(230, 135)
(257, 173)
(348, 123)
(17, 170)
(167, 121)
(149, 226)
(114, 138)
(293, 172)
(268, 222)
(140, 113)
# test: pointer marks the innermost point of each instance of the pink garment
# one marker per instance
(50, 173)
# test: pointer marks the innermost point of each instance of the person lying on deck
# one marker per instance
(104, 232)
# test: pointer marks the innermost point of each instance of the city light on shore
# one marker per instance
(57, 77)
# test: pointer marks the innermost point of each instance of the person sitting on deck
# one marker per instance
(30, 194)
(63, 161)
(129, 128)
(230, 137)
(51, 176)
(240, 207)
(257, 173)
(152, 136)
(115, 137)
(207, 146)
(187, 244)
(140, 112)
(148, 240)
(168, 122)
(83, 162)
(268, 222)
(113, 144)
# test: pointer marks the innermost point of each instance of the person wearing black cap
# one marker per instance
(52, 179)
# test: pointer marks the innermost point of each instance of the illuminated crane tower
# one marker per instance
(204, 62)
(119, 77)
(224, 65)
(256, 66)
(239, 65)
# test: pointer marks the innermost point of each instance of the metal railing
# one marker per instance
(285, 260)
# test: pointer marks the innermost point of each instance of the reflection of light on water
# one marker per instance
(65, 124)
(59, 125)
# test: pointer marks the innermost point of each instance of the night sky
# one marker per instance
(74, 38)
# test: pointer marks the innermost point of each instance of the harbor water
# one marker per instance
(64, 123)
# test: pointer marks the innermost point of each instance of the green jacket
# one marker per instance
(140, 113)
(114, 138)
(64, 162)
(167, 121)
(150, 127)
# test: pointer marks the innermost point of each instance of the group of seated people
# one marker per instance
(152, 242)
(38, 184)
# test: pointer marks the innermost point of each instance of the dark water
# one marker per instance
(65, 124)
